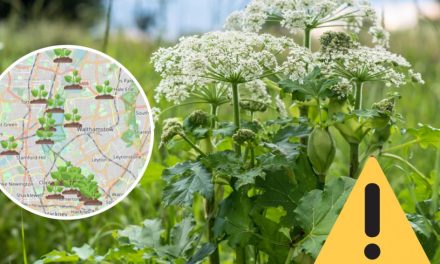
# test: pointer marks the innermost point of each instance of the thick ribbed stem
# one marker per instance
(303, 110)
(354, 147)
(236, 104)
(210, 204)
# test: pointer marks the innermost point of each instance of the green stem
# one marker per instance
(303, 109)
(23, 244)
(435, 188)
(210, 204)
(354, 147)
(240, 255)
(401, 146)
(409, 165)
(236, 104)
(358, 95)
(194, 146)
(252, 157)
(354, 159)
(290, 256)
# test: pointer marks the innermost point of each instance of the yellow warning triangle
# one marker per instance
(396, 240)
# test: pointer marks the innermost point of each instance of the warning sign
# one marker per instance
(372, 227)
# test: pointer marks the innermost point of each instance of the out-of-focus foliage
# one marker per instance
(78, 11)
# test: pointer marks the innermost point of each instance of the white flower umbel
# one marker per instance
(220, 57)
(300, 15)
(364, 64)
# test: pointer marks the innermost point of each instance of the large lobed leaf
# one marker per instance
(318, 210)
(426, 135)
(184, 181)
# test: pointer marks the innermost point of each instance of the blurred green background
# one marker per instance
(29, 25)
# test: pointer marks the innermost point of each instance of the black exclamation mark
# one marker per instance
(372, 219)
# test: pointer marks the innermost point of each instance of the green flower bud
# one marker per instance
(336, 41)
(253, 106)
(321, 150)
(244, 135)
(171, 128)
(385, 107)
(198, 118)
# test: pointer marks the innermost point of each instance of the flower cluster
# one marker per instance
(172, 127)
(298, 15)
(384, 106)
(341, 90)
(216, 57)
(359, 63)
(243, 135)
(255, 91)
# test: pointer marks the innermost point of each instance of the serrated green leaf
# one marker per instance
(223, 163)
(233, 220)
(318, 210)
(56, 256)
(279, 189)
(291, 131)
(184, 181)
(181, 239)
(426, 234)
(84, 252)
(426, 135)
(271, 239)
(206, 250)
(225, 129)
(248, 177)
(285, 147)
(314, 85)
(4, 144)
(145, 236)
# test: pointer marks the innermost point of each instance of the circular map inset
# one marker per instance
(76, 132)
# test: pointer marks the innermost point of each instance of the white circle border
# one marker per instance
(152, 128)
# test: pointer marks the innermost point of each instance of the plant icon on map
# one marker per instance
(62, 55)
(73, 81)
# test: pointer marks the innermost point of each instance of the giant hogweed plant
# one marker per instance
(259, 146)
(264, 180)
